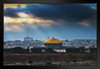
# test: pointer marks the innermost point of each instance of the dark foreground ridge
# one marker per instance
(49, 59)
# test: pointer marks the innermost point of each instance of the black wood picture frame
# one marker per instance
(48, 2)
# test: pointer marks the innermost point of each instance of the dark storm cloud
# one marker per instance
(11, 12)
(66, 12)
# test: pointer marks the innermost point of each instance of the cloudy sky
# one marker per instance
(40, 21)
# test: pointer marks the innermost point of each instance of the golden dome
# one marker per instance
(53, 40)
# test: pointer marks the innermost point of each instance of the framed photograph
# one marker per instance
(51, 34)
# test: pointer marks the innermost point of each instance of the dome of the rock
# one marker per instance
(53, 43)
(53, 40)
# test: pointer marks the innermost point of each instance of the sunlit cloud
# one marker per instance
(88, 22)
(13, 27)
(93, 7)
(85, 22)
(17, 5)
(25, 19)
(14, 5)
(21, 14)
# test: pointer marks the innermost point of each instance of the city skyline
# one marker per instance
(40, 21)
(46, 39)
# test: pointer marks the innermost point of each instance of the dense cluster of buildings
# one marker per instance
(27, 42)
(52, 45)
